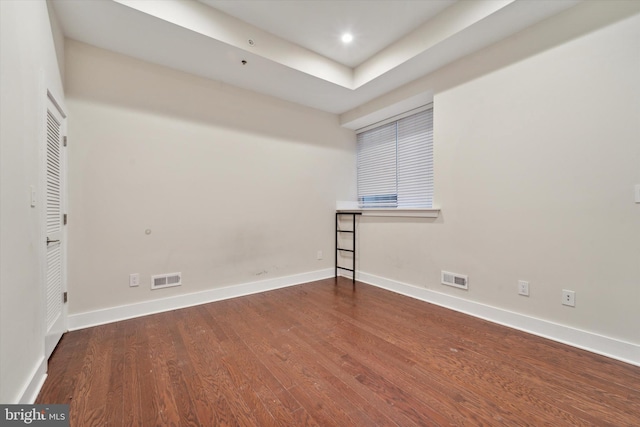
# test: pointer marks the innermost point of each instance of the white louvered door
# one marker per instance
(54, 186)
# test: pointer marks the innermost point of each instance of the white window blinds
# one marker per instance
(395, 163)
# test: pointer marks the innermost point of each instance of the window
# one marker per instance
(395, 163)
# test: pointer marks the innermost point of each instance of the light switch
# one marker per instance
(33, 196)
(637, 193)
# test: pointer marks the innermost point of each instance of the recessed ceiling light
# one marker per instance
(347, 38)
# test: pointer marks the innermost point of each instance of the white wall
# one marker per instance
(28, 67)
(537, 151)
(58, 38)
(235, 187)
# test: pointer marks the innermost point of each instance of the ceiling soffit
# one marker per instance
(193, 37)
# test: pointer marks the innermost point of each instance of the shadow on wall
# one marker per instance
(100, 76)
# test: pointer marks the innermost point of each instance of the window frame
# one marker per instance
(389, 201)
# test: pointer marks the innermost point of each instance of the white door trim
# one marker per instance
(50, 341)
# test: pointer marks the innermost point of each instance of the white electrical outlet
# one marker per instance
(319, 255)
(568, 298)
(523, 288)
(134, 280)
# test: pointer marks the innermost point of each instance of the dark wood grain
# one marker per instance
(324, 355)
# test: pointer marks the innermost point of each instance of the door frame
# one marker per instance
(41, 204)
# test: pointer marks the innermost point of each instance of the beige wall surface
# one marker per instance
(28, 67)
(235, 187)
(535, 165)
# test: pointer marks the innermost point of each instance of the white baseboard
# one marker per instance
(605, 346)
(129, 311)
(31, 390)
(610, 347)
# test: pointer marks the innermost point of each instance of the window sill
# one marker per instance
(393, 212)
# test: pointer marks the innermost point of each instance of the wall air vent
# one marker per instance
(456, 280)
(169, 280)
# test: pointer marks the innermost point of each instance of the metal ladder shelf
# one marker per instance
(353, 251)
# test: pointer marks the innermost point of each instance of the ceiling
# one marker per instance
(319, 25)
(292, 48)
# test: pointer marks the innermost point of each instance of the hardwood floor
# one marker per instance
(322, 355)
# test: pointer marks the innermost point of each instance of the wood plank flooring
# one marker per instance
(323, 355)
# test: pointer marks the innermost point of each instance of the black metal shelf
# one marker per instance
(338, 249)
